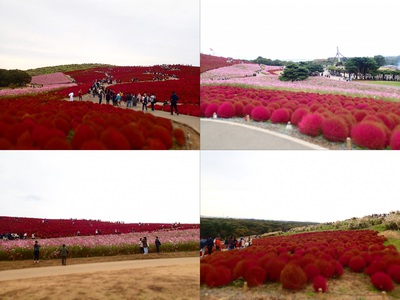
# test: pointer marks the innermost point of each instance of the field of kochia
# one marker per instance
(309, 258)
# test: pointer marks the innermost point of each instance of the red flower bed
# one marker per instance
(53, 228)
(57, 124)
(210, 62)
(311, 258)
(336, 116)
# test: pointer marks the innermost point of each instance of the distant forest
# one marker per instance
(226, 227)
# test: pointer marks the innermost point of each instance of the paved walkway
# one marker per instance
(223, 135)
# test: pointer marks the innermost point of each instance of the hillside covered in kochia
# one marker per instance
(226, 227)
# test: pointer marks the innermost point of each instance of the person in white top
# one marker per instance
(71, 96)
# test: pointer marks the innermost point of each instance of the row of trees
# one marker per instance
(243, 227)
(300, 71)
(13, 78)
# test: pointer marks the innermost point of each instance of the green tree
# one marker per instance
(361, 66)
(294, 72)
(14, 77)
(380, 60)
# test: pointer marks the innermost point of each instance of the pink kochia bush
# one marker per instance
(226, 110)
(281, 115)
(260, 113)
(395, 139)
(370, 135)
(311, 125)
(334, 129)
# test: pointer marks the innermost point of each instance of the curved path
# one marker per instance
(193, 122)
(94, 267)
(223, 135)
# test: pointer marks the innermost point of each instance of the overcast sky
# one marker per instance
(292, 29)
(121, 32)
(319, 186)
(138, 186)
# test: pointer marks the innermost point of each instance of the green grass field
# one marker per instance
(388, 83)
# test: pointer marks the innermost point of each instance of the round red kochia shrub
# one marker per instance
(338, 269)
(203, 107)
(159, 132)
(226, 110)
(242, 267)
(293, 277)
(360, 115)
(326, 267)
(357, 264)
(239, 107)
(334, 129)
(274, 268)
(298, 115)
(319, 282)
(210, 110)
(255, 276)
(134, 136)
(57, 143)
(394, 272)
(217, 276)
(179, 136)
(248, 109)
(311, 125)
(82, 134)
(281, 115)
(370, 135)
(382, 281)
(260, 113)
(114, 140)
(204, 270)
(5, 144)
(311, 271)
(395, 139)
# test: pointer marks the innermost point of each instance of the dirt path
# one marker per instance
(171, 278)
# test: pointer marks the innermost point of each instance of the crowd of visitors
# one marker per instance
(209, 245)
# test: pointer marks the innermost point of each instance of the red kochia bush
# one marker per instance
(369, 135)
(293, 277)
(382, 281)
(204, 270)
(239, 107)
(319, 282)
(394, 272)
(226, 110)
(260, 113)
(248, 109)
(311, 271)
(298, 115)
(210, 110)
(357, 263)
(395, 139)
(255, 276)
(280, 115)
(311, 125)
(335, 129)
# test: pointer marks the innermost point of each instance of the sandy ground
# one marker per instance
(164, 278)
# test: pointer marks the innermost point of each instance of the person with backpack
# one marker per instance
(36, 248)
(64, 252)
(174, 103)
(158, 244)
(145, 100)
(153, 101)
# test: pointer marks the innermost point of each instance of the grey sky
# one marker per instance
(139, 186)
(292, 29)
(121, 32)
(320, 186)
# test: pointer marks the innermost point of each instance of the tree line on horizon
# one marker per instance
(226, 227)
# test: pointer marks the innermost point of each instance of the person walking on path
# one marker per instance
(71, 96)
(210, 245)
(80, 95)
(158, 244)
(36, 248)
(145, 100)
(64, 252)
(174, 103)
(141, 245)
(145, 246)
(153, 101)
